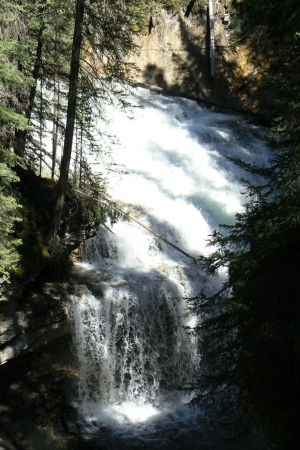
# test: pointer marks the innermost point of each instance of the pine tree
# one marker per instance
(70, 122)
(9, 256)
(103, 35)
(12, 83)
(250, 329)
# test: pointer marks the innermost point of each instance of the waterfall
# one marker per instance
(128, 314)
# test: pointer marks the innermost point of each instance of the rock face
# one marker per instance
(36, 394)
(175, 55)
(37, 370)
(26, 324)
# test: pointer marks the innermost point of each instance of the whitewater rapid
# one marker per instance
(129, 312)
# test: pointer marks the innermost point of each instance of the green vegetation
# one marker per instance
(250, 328)
(281, 15)
(8, 210)
(60, 61)
(84, 210)
(11, 79)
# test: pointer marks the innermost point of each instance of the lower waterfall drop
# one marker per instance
(128, 332)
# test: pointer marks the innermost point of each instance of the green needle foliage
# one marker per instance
(12, 81)
(8, 210)
(36, 42)
(250, 328)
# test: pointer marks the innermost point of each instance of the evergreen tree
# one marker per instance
(12, 83)
(250, 329)
(35, 80)
(8, 209)
(70, 123)
(48, 41)
(103, 35)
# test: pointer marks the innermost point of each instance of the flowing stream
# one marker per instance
(128, 313)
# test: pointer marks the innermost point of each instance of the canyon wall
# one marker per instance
(175, 56)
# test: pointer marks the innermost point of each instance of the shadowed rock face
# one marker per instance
(36, 394)
(37, 370)
(29, 323)
(175, 56)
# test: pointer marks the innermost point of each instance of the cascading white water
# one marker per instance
(129, 338)
(128, 314)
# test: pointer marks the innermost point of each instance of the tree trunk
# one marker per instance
(55, 104)
(55, 125)
(20, 135)
(69, 132)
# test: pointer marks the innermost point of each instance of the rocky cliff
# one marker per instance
(175, 56)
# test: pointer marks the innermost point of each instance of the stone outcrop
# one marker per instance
(36, 394)
(37, 369)
(26, 324)
(175, 55)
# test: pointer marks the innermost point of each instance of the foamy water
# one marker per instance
(128, 315)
